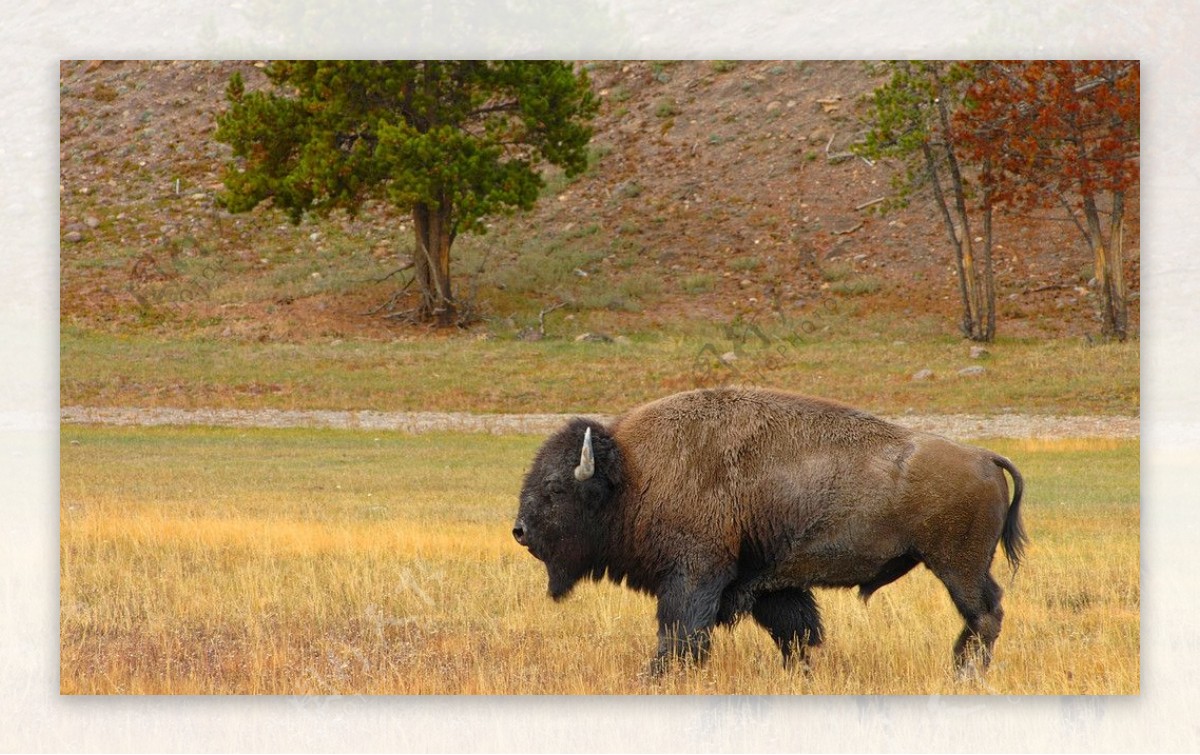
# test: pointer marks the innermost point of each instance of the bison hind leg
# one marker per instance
(980, 608)
(793, 620)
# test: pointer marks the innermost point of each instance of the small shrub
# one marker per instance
(723, 66)
(666, 109)
(699, 284)
(836, 271)
(745, 264)
(640, 286)
(857, 285)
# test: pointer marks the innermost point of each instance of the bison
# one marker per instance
(735, 501)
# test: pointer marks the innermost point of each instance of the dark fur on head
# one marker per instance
(563, 520)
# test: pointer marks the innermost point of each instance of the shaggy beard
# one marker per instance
(564, 572)
(561, 583)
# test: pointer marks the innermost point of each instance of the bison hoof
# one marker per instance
(659, 666)
(798, 665)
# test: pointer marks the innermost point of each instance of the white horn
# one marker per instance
(587, 462)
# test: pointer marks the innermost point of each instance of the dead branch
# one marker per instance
(397, 271)
(391, 302)
(542, 316)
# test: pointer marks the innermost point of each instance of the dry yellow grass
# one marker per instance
(206, 561)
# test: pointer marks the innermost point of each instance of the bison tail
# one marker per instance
(1013, 536)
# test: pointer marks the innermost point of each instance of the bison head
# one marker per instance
(567, 501)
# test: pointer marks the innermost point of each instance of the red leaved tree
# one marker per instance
(1062, 134)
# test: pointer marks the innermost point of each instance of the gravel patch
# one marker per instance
(961, 426)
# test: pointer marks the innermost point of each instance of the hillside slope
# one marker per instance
(718, 189)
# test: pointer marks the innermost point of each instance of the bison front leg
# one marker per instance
(687, 611)
(793, 620)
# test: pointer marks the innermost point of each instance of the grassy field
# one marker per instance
(869, 364)
(345, 562)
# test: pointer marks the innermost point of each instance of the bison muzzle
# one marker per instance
(728, 502)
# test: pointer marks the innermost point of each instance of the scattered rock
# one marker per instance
(627, 189)
(974, 371)
(91, 221)
(529, 334)
(599, 337)
(728, 357)
(774, 106)
(73, 237)
(828, 106)
(920, 375)
(978, 352)
(622, 340)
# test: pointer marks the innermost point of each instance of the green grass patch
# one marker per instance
(827, 353)
(857, 285)
(745, 264)
(833, 272)
(700, 283)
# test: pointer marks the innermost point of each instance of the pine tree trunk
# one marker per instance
(434, 237)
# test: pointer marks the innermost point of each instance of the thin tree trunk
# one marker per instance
(1103, 268)
(966, 325)
(989, 278)
(965, 244)
(1116, 242)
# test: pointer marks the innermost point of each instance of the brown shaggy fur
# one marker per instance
(730, 502)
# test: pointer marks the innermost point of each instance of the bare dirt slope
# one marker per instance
(729, 175)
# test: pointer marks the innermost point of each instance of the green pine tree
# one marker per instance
(451, 142)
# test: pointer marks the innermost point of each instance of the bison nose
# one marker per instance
(519, 533)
